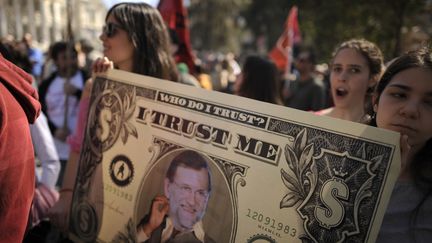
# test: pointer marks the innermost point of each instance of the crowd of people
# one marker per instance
(358, 87)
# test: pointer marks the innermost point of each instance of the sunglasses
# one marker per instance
(110, 29)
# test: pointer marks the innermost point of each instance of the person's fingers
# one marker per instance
(160, 207)
(101, 65)
(161, 201)
(165, 208)
(96, 64)
(106, 64)
(157, 203)
(160, 198)
(405, 149)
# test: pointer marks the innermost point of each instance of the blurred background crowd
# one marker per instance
(276, 51)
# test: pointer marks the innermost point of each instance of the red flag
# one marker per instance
(175, 16)
(282, 51)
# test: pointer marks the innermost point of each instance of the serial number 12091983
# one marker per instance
(271, 223)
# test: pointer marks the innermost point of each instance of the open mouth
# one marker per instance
(341, 92)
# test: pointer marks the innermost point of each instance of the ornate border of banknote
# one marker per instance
(290, 176)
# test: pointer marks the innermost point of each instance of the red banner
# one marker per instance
(175, 16)
(281, 53)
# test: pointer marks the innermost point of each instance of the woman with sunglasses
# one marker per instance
(136, 40)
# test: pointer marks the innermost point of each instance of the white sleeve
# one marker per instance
(141, 236)
(45, 150)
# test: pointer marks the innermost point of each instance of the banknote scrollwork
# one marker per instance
(128, 128)
(127, 235)
(331, 188)
(110, 115)
(301, 174)
(259, 173)
(111, 110)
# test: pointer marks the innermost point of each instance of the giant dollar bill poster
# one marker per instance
(167, 162)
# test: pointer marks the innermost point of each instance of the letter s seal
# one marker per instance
(333, 213)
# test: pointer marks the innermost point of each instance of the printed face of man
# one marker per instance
(188, 196)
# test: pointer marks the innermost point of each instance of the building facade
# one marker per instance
(47, 20)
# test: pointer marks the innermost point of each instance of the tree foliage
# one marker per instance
(323, 23)
(214, 24)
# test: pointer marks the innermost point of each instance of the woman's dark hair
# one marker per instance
(17, 57)
(5, 50)
(260, 80)
(421, 167)
(60, 47)
(149, 36)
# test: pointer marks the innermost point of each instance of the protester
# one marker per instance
(177, 215)
(184, 74)
(35, 55)
(45, 194)
(306, 92)
(224, 72)
(135, 39)
(224, 75)
(42, 139)
(48, 67)
(45, 151)
(259, 80)
(86, 55)
(59, 96)
(20, 57)
(403, 103)
(354, 71)
(185, 77)
(235, 70)
(203, 77)
(19, 105)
